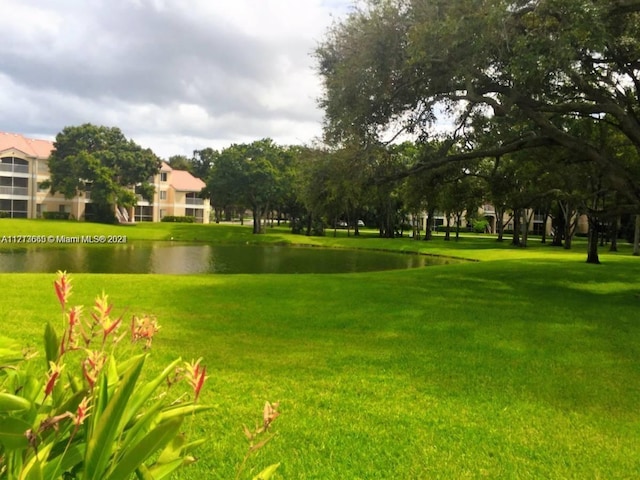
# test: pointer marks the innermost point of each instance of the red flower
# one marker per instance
(52, 377)
(92, 366)
(196, 376)
(100, 315)
(69, 339)
(82, 412)
(144, 328)
(63, 288)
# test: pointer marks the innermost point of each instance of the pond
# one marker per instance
(172, 258)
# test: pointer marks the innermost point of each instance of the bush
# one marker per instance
(4, 214)
(89, 415)
(178, 219)
(480, 226)
(55, 215)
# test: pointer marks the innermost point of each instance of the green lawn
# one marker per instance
(523, 365)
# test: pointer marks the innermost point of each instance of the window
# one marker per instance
(163, 195)
(163, 176)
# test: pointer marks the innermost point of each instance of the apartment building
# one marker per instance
(24, 166)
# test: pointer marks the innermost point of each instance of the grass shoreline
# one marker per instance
(525, 364)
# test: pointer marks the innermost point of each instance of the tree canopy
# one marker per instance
(255, 176)
(522, 69)
(103, 161)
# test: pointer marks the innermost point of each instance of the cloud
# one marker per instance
(174, 75)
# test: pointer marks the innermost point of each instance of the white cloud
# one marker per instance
(174, 75)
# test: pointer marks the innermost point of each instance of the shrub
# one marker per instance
(98, 420)
(55, 215)
(87, 414)
(178, 219)
(480, 226)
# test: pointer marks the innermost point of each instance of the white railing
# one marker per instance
(10, 167)
(24, 191)
(488, 209)
(194, 201)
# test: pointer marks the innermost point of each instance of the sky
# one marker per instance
(173, 75)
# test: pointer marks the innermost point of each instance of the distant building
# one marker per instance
(24, 166)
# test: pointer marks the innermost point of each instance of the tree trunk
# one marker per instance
(557, 227)
(257, 221)
(636, 237)
(309, 221)
(614, 227)
(500, 223)
(447, 234)
(428, 232)
(592, 248)
(516, 229)
(545, 217)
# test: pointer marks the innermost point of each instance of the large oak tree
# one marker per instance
(103, 161)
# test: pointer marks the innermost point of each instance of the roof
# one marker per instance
(29, 146)
(165, 167)
(183, 181)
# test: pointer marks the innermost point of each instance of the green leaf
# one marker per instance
(74, 383)
(101, 442)
(71, 403)
(143, 423)
(12, 433)
(12, 403)
(51, 344)
(149, 444)
(267, 472)
(172, 451)
(32, 387)
(143, 473)
(158, 472)
(182, 410)
(67, 459)
(142, 394)
(33, 471)
(33, 468)
(10, 351)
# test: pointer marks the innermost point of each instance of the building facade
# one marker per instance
(24, 166)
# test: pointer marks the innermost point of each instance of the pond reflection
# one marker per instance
(163, 257)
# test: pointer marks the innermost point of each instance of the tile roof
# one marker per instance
(29, 146)
(183, 181)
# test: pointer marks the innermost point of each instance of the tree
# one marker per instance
(179, 162)
(202, 162)
(395, 65)
(250, 175)
(101, 160)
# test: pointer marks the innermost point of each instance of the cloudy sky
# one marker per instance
(174, 75)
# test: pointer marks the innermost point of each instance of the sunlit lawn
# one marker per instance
(523, 365)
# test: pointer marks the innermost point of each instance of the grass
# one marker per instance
(523, 365)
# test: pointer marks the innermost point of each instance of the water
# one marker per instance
(171, 258)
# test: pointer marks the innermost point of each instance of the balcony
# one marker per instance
(22, 191)
(488, 209)
(12, 168)
(194, 201)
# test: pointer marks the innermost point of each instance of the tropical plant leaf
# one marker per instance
(12, 433)
(51, 344)
(141, 395)
(11, 403)
(101, 442)
(158, 472)
(149, 444)
(267, 473)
